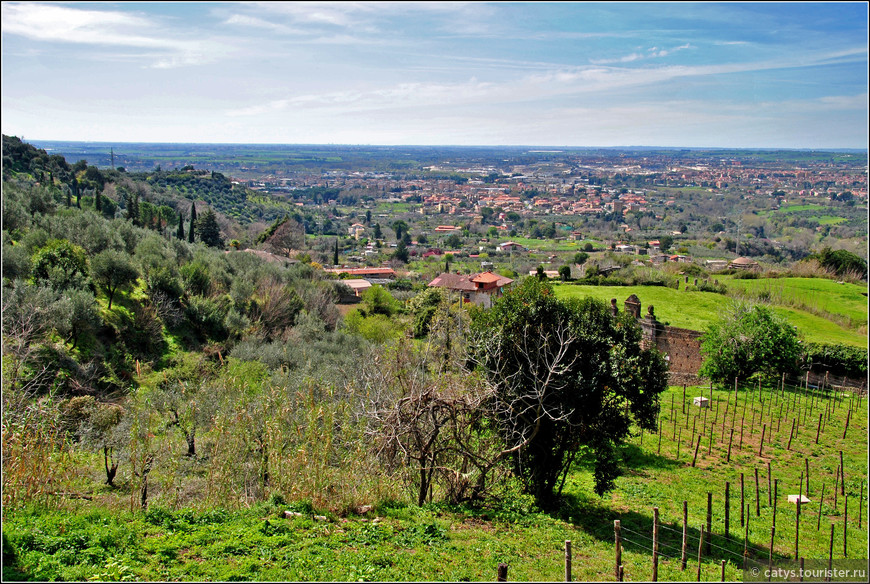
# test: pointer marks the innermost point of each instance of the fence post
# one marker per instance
(617, 527)
(697, 446)
(502, 572)
(567, 560)
(700, 548)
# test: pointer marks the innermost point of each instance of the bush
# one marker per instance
(838, 359)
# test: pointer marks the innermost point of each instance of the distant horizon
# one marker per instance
(560, 147)
(740, 75)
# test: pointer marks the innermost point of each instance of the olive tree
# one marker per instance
(569, 378)
(113, 270)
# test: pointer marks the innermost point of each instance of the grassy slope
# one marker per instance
(693, 310)
(436, 543)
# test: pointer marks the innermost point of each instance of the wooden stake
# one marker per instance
(567, 560)
(700, 548)
(845, 521)
(836, 487)
(684, 398)
(727, 507)
(842, 476)
(819, 429)
(790, 436)
(848, 415)
(807, 466)
(709, 519)
(502, 573)
(831, 552)
(697, 446)
(821, 500)
(683, 555)
(723, 571)
(742, 501)
(655, 554)
(861, 505)
(757, 495)
(775, 499)
(770, 552)
(769, 490)
(617, 533)
(761, 444)
(797, 527)
(730, 440)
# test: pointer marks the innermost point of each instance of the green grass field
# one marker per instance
(694, 310)
(80, 540)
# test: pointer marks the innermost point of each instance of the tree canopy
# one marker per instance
(569, 378)
(749, 339)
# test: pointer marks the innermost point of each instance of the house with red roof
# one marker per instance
(479, 288)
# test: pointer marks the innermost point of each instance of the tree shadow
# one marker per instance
(633, 456)
(589, 514)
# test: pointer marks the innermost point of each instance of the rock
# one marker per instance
(363, 509)
(320, 518)
(291, 514)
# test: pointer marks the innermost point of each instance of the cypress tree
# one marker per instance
(98, 201)
(335, 254)
(192, 229)
(180, 233)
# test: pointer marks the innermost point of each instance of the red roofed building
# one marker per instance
(477, 288)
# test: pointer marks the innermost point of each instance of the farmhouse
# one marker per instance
(477, 288)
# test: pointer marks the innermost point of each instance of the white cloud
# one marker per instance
(56, 23)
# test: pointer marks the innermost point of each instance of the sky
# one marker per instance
(717, 75)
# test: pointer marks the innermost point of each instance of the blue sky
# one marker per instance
(744, 75)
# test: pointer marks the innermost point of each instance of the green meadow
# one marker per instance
(822, 310)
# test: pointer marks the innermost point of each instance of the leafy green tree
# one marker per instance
(61, 264)
(377, 300)
(665, 242)
(400, 227)
(401, 254)
(209, 231)
(842, 262)
(565, 273)
(568, 378)
(749, 339)
(580, 257)
(84, 315)
(113, 270)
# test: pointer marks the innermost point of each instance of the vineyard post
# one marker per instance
(791, 435)
(801, 573)
(742, 501)
(757, 496)
(861, 505)
(700, 548)
(661, 429)
(695, 458)
(836, 487)
(807, 466)
(684, 398)
(831, 553)
(679, 440)
(797, 526)
(723, 571)
(617, 528)
(709, 520)
(567, 560)
(746, 536)
(779, 420)
(655, 554)
(819, 429)
(775, 493)
(769, 490)
(845, 521)
(848, 415)
(761, 444)
(710, 443)
(821, 500)
(730, 440)
(770, 552)
(674, 415)
(727, 507)
(842, 476)
(501, 575)
(683, 556)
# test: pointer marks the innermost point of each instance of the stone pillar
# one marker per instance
(632, 306)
